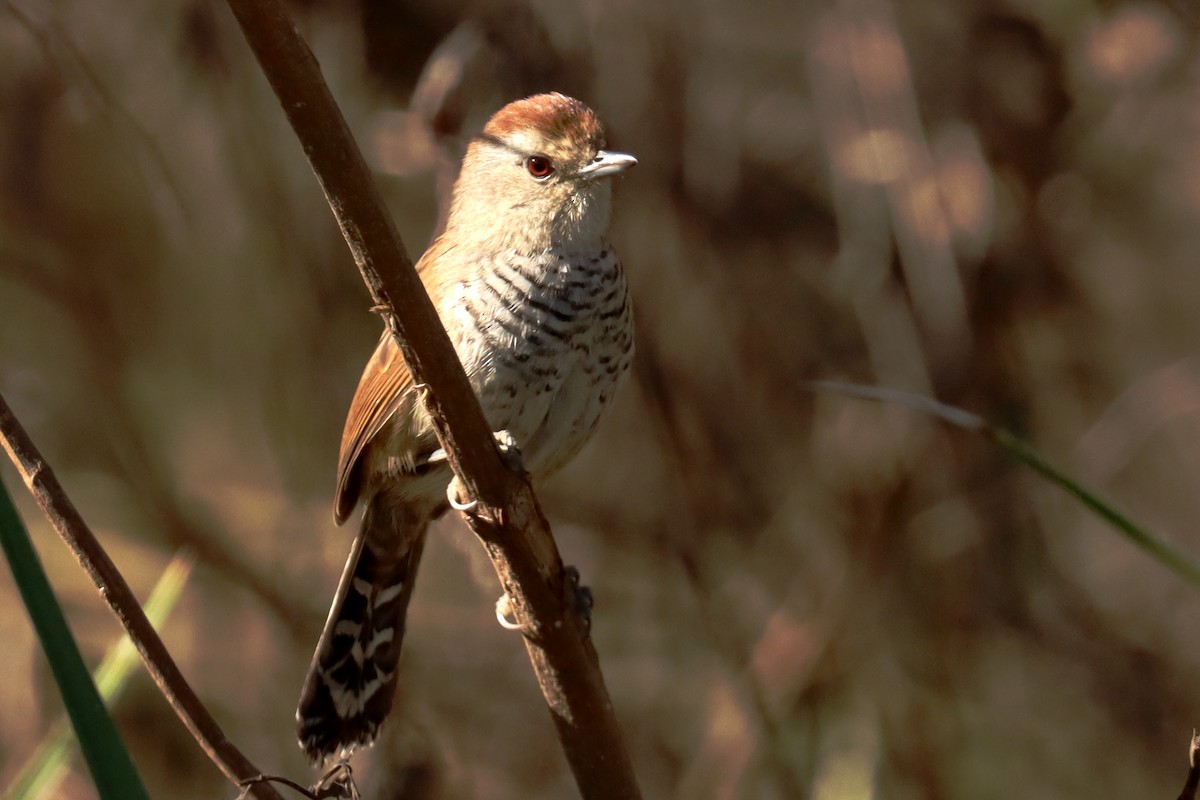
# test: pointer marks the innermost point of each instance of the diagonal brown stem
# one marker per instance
(67, 521)
(506, 516)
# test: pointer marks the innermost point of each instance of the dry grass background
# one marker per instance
(798, 595)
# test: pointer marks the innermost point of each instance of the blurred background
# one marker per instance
(798, 594)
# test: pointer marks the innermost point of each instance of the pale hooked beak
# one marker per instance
(606, 163)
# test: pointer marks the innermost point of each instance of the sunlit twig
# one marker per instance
(69, 524)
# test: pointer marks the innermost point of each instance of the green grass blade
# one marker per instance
(1175, 560)
(43, 771)
(107, 758)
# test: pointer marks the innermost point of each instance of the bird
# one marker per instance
(535, 301)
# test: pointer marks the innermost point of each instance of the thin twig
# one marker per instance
(67, 521)
(507, 516)
(250, 783)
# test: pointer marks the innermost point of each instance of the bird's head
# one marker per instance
(536, 178)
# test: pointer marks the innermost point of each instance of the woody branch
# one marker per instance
(506, 516)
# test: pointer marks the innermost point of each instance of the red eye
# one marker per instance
(539, 166)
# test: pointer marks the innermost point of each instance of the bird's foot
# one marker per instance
(453, 492)
(510, 452)
(506, 615)
(578, 597)
(507, 444)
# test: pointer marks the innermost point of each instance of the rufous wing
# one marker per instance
(384, 385)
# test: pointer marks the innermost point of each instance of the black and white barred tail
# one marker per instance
(351, 681)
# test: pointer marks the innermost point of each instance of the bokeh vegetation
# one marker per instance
(798, 594)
